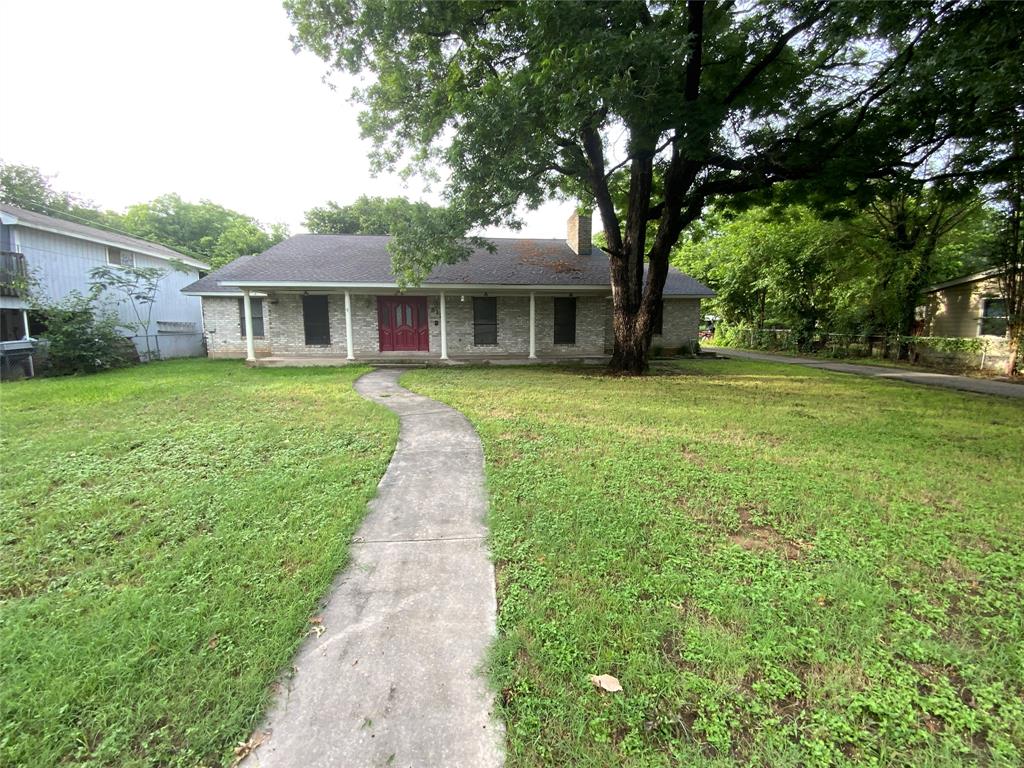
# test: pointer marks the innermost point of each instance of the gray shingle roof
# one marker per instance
(313, 259)
(33, 220)
(211, 283)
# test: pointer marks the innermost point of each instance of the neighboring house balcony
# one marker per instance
(13, 273)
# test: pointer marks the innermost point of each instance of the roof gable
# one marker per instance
(40, 221)
(976, 277)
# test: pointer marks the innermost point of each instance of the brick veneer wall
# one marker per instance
(224, 331)
(285, 332)
(288, 334)
(680, 325)
(514, 327)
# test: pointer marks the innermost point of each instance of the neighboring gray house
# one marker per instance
(333, 297)
(58, 256)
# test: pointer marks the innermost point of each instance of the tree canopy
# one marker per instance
(422, 233)
(795, 268)
(521, 101)
(27, 187)
(366, 216)
(216, 233)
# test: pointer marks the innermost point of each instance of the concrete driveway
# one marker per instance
(395, 677)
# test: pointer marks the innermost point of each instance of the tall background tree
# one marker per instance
(218, 234)
(27, 187)
(837, 271)
(1008, 253)
(366, 216)
(787, 267)
(522, 101)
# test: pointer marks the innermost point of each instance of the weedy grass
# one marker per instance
(166, 533)
(782, 566)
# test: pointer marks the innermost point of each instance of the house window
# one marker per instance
(316, 320)
(485, 321)
(565, 321)
(657, 322)
(993, 317)
(257, 317)
(120, 258)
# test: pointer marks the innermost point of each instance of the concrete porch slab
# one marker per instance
(407, 361)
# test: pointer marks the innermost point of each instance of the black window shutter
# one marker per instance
(565, 320)
(316, 320)
(657, 322)
(485, 320)
(257, 317)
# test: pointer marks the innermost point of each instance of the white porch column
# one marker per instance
(348, 327)
(444, 329)
(533, 327)
(250, 344)
(24, 321)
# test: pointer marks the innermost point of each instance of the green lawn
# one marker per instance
(166, 533)
(783, 566)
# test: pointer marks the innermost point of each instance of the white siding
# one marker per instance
(59, 264)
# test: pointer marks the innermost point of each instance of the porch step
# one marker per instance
(336, 362)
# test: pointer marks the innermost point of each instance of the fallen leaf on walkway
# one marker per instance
(245, 747)
(606, 683)
(317, 627)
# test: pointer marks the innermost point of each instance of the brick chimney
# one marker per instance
(579, 234)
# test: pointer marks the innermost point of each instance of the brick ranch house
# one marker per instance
(330, 298)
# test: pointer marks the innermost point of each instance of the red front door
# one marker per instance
(402, 322)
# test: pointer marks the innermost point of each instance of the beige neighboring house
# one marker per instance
(331, 298)
(968, 307)
(964, 308)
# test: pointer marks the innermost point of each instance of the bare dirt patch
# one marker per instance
(763, 538)
(692, 456)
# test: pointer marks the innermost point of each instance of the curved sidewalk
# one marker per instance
(947, 380)
(395, 678)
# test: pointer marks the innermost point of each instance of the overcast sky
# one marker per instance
(124, 101)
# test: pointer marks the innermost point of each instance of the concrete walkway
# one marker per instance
(949, 381)
(394, 679)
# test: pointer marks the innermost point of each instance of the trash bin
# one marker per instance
(17, 355)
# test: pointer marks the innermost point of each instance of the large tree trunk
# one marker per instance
(634, 304)
(911, 295)
(631, 305)
(631, 317)
(629, 357)
(635, 299)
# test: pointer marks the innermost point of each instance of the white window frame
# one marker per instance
(122, 254)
